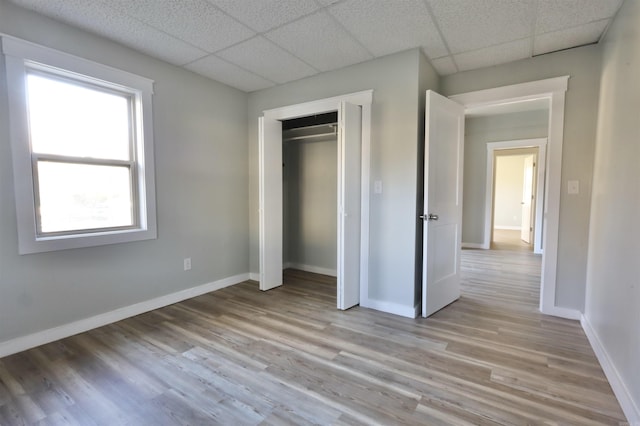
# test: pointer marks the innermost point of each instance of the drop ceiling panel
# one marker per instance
(95, 17)
(444, 66)
(195, 21)
(494, 55)
(472, 24)
(576, 36)
(258, 43)
(556, 15)
(320, 41)
(229, 74)
(390, 26)
(265, 59)
(263, 15)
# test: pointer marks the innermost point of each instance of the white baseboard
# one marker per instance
(390, 308)
(255, 276)
(311, 268)
(473, 245)
(508, 228)
(628, 405)
(29, 341)
(557, 311)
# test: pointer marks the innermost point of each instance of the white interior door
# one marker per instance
(527, 197)
(270, 210)
(349, 197)
(444, 146)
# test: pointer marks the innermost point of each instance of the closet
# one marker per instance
(310, 161)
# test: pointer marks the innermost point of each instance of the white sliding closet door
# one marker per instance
(270, 154)
(349, 198)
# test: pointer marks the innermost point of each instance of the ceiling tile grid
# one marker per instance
(225, 72)
(575, 36)
(385, 27)
(264, 15)
(195, 21)
(472, 24)
(96, 17)
(265, 59)
(494, 55)
(554, 15)
(320, 41)
(254, 44)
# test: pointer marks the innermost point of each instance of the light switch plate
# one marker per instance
(377, 187)
(573, 187)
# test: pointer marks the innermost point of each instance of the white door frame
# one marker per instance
(492, 147)
(364, 100)
(552, 89)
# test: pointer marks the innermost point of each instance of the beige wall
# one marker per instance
(201, 184)
(613, 275)
(583, 65)
(394, 160)
(478, 132)
(507, 211)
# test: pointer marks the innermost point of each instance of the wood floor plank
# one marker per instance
(287, 356)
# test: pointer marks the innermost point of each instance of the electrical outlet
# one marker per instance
(187, 264)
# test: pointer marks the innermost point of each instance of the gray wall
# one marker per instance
(478, 132)
(310, 225)
(613, 275)
(202, 201)
(583, 65)
(394, 159)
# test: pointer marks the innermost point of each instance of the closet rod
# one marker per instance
(319, 135)
(314, 126)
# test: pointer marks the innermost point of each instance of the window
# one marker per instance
(82, 150)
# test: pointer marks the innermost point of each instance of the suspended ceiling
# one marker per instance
(255, 44)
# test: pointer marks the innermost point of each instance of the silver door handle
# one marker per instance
(429, 217)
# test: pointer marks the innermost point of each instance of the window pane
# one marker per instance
(75, 120)
(82, 196)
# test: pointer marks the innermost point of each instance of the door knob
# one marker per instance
(429, 217)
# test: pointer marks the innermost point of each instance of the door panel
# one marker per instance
(527, 197)
(270, 210)
(349, 199)
(444, 145)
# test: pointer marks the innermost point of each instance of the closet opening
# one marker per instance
(351, 168)
(310, 193)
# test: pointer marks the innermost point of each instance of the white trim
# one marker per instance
(472, 245)
(568, 313)
(492, 147)
(311, 268)
(320, 106)
(553, 89)
(23, 343)
(364, 100)
(508, 228)
(513, 93)
(620, 390)
(13, 46)
(254, 276)
(21, 55)
(391, 308)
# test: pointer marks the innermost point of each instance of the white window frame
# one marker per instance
(21, 56)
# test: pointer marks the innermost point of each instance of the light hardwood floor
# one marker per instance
(239, 356)
(505, 239)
